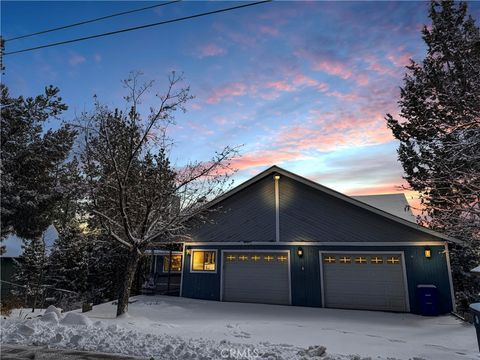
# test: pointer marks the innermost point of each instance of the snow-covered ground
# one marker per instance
(179, 328)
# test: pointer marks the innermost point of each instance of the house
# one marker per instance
(282, 239)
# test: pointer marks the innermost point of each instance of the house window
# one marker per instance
(203, 260)
(176, 263)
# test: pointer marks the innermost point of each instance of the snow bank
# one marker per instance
(116, 339)
(72, 318)
(53, 309)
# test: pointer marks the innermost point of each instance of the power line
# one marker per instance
(137, 27)
(90, 21)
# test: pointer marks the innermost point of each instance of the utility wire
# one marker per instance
(138, 27)
(90, 21)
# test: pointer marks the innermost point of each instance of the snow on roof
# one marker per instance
(395, 204)
(476, 270)
(13, 244)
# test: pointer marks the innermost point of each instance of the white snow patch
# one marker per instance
(55, 310)
(72, 318)
(50, 317)
(179, 328)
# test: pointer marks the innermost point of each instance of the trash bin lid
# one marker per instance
(427, 286)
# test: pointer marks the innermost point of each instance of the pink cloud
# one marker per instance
(264, 158)
(344, 96)
(280, 85)
(209, 50)
(270, 30)
(227, 91)
(400, 60)
(333, 68)
(302, 80)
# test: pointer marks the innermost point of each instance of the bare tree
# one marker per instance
(135, 192)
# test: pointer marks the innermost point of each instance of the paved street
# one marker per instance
(19, 352)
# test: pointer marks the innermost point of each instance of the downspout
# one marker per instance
(277, 208)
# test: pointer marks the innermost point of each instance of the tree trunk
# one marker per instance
(126, 283)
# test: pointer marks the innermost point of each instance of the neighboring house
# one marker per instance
(13, 250)
(279, 238)
(476, 271)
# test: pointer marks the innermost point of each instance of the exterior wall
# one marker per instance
(306, 283)
(307, 214)
(7, 271)
(245, 216)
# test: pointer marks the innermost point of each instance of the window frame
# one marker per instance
(192, 251)
(165, 271)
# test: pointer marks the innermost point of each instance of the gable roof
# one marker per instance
(395, 204)
(364, 205)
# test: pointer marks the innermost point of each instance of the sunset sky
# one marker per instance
(303, 85)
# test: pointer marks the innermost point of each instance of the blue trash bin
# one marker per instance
(427, 298)
(475, 310)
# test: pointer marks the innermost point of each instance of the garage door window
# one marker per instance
(329, 259)
(203, 260)
(376, 260)
(361, 260)
(393, 260)
(345, 259)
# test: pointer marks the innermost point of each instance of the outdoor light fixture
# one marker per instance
(300, 252)
(276, 177)
(428, 253)
(188, 251)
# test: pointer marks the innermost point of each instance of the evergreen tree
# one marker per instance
(31, 270)
(439, 134)
(30, 161)
(68, 261)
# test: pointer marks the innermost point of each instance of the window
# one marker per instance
(345, 259)
(361, 260)
(203, 260)
(329, 259)
(393, 260)
(176, 263)
(376, 260)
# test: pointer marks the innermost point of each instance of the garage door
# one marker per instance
(364, 281)
(258, 277)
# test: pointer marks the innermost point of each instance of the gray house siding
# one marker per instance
(246, 216)
(306, 282)
(307, 214)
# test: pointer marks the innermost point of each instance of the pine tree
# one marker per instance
(31, 269)
(439, 134)
(30, 161)
(68, 261)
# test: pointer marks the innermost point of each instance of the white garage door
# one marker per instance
(257, 277)
(369, 281)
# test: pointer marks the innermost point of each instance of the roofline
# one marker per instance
(275, 169)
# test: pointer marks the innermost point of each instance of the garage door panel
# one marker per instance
(368, 285)
(249, 277)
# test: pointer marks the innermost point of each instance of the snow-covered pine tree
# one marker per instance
(68, 262)
(30, 161)
(439, 134)
(31, 269)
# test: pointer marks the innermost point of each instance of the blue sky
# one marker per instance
(304, 85)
